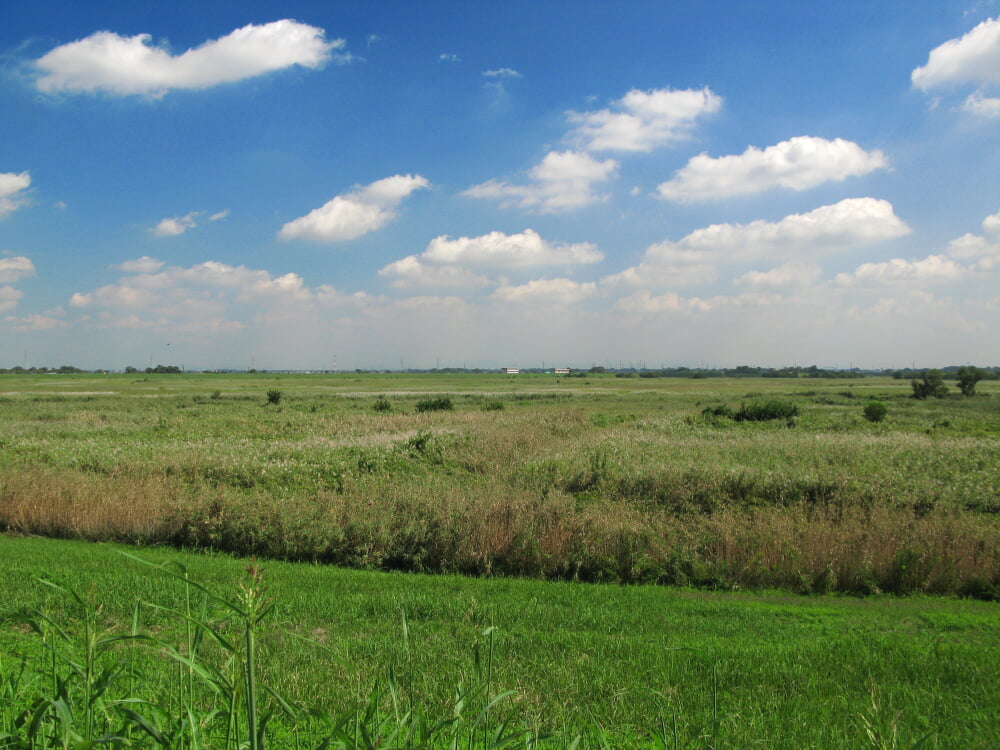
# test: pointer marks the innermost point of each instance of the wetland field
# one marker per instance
(612, 561)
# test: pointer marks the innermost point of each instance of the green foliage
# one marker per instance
(273, 396)
(875, 411)
(967, 379)
(765, 411)
(382, 405)
(930, 385)
(442, 403)
(493, 405)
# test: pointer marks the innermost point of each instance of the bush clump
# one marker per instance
(875, 411)
(382, 404)
(273, 396)
(442, 403)
(765, 411)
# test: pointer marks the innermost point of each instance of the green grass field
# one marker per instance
(720, 670)
(534, 487)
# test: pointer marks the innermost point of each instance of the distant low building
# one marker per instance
(510, 370)
(560, 371)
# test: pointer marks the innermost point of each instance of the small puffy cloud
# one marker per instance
(15, 268)
(974, 57)
(643, 120)
(124, 66)
(145, 264)
(11, 186)
(787, 275)
(991, 224)
(9, 297)
(502, 73)
(219, 215)
(546, 291)
(356, 213)
(982, 106)
(508, 251)
(796, 164)
(176, 225)
(696, 257)
(449, 57)
(563, 181)
(930, 269)
(411, 272)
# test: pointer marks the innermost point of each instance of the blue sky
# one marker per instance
(499, 183)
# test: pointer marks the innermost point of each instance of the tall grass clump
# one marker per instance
(441, 403)
(766, 411)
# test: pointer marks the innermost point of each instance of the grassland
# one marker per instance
(634, 666)
(596, 479)
(531, 485)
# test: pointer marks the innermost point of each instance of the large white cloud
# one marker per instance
(356, 213)
(933, 268)
(411, 271)
(972, 58)
(546, 292)
(643, 120)
(459, 261)
(11, 185)
(797, 164)
(497, 250)
(113, 64)
(847, 224)
(562, 181)
(15, 268)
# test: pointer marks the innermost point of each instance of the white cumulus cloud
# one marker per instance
(122, 66)
(9, 297)
(697, 256)
(546, 291)
(786, 275)
(11, 186)
(562, 181)
(930, 269)
(497, 250)
(796, 164)
(643, 120)
(411, 271)
(15, 268)
(356, 213)
(973, 57)
(982, 106)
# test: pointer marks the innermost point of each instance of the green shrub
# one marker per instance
(875, 411)
(273, 396)
(765, 411)
(382, 404)
(493, 405)
(931, 385)
(442, 403)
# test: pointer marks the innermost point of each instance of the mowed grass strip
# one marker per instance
(622, 663)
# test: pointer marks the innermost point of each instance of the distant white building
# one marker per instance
(560, 371)
(510, 370)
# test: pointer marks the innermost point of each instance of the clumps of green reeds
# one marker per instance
(92, 686)
(755, 411)
(441, 403)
